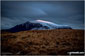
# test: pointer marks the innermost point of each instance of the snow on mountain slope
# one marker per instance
(50, 25)
(38, 25)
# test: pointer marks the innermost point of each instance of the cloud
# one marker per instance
(65, 12)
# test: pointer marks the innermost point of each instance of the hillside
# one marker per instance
(58, 41)
(37, 25)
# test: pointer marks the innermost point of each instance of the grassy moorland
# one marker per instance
(58, 41)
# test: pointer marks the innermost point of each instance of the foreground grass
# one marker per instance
(58, 41)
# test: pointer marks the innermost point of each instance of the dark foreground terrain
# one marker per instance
(43, 42)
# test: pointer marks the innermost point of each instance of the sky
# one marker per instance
(60, 12)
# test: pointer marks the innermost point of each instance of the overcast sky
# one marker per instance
(63, 12)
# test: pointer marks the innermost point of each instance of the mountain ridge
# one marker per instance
(37, 25)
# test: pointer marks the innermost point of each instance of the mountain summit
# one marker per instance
(38, 25)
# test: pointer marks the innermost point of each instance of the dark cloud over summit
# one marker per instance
(59, 12)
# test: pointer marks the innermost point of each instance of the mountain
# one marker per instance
(37, 25)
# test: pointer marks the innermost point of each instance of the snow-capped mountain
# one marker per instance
(38, 25)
